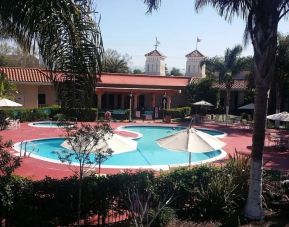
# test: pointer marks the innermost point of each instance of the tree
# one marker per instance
(262, 19)
(7, 89)
(115, 62)
(68, 38)
(203, 90)
(15, 56)
(8, 162)
(176, 72)
(227, 68)
(137, 71)
(281, 75)
(84, 147)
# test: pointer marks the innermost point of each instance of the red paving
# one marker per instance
(239, 139)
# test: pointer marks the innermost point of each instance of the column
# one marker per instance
(115, 101)
(153, 100)
(122, 101)
(99, 96)
(135, 101)
(169, 100)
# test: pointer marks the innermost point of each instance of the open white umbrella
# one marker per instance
(250, 106)
(191, 140)
(202, 103)
(118, 144)
(8, 103)
(283, 116)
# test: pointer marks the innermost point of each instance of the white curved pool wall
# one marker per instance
(223, 154)
(46, 124)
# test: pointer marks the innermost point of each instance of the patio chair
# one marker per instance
(272, 139)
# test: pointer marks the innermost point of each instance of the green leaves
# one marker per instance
(68, 38)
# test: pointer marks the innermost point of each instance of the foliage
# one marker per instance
(180, 112)
(7, 89)
(16, 57)
(53, 112)
(137, 71)
(203, 193)
(203, 90)
(176, 72)
(8, 162)
(3, 120)
(68, 40)
(227, 68)
(113, 62)
(88, 147)
(281, 74)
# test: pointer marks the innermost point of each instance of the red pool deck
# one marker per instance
(237, 138)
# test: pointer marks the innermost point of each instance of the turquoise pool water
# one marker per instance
(148, 153)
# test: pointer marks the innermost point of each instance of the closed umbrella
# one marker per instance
(118, 144)
(283, 116)
(8, 103)
(192, 141)
(250, 106)
(202, 103)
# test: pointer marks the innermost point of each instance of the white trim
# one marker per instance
(223, 154)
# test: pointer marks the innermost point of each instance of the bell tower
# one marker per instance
(194, 67)
(155, 62)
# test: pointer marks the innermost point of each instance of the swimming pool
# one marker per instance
(148, 154)
(50, 124)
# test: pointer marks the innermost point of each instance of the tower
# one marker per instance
(193, 64)
(155, 62)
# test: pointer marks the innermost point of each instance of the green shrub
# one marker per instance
(178, 112)
(81, 114)
(164, 217)
(3, 122)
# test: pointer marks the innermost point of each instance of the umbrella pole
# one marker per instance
(190, 157)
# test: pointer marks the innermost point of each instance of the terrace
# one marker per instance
(239, 139)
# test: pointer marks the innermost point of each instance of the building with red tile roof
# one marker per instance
(114, 90)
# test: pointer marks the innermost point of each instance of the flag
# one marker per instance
(198, 40)
(157, 42)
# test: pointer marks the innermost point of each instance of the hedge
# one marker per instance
(201, 193)
(45, 113)
(178, 112)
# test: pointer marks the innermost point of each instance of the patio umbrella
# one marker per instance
(8, 103)
(118, 144)
(250, 106)
(192, 141)
(283, 116)
(202, 103)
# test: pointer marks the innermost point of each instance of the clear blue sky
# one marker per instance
(128, 29)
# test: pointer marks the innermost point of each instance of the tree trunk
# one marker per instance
(253, 209)
(228, 93)
(278, 103)
(79, 194)
(262, 24)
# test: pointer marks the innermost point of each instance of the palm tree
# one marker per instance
(262, 19)
(281, 76)
(227, 68)
(67, 37)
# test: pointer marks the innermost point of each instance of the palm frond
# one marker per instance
(227, 8)
(152, 5)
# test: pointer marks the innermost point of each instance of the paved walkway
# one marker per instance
(237, 138)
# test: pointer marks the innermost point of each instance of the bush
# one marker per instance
(178, 112)
(3, 122)
(81, 114)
